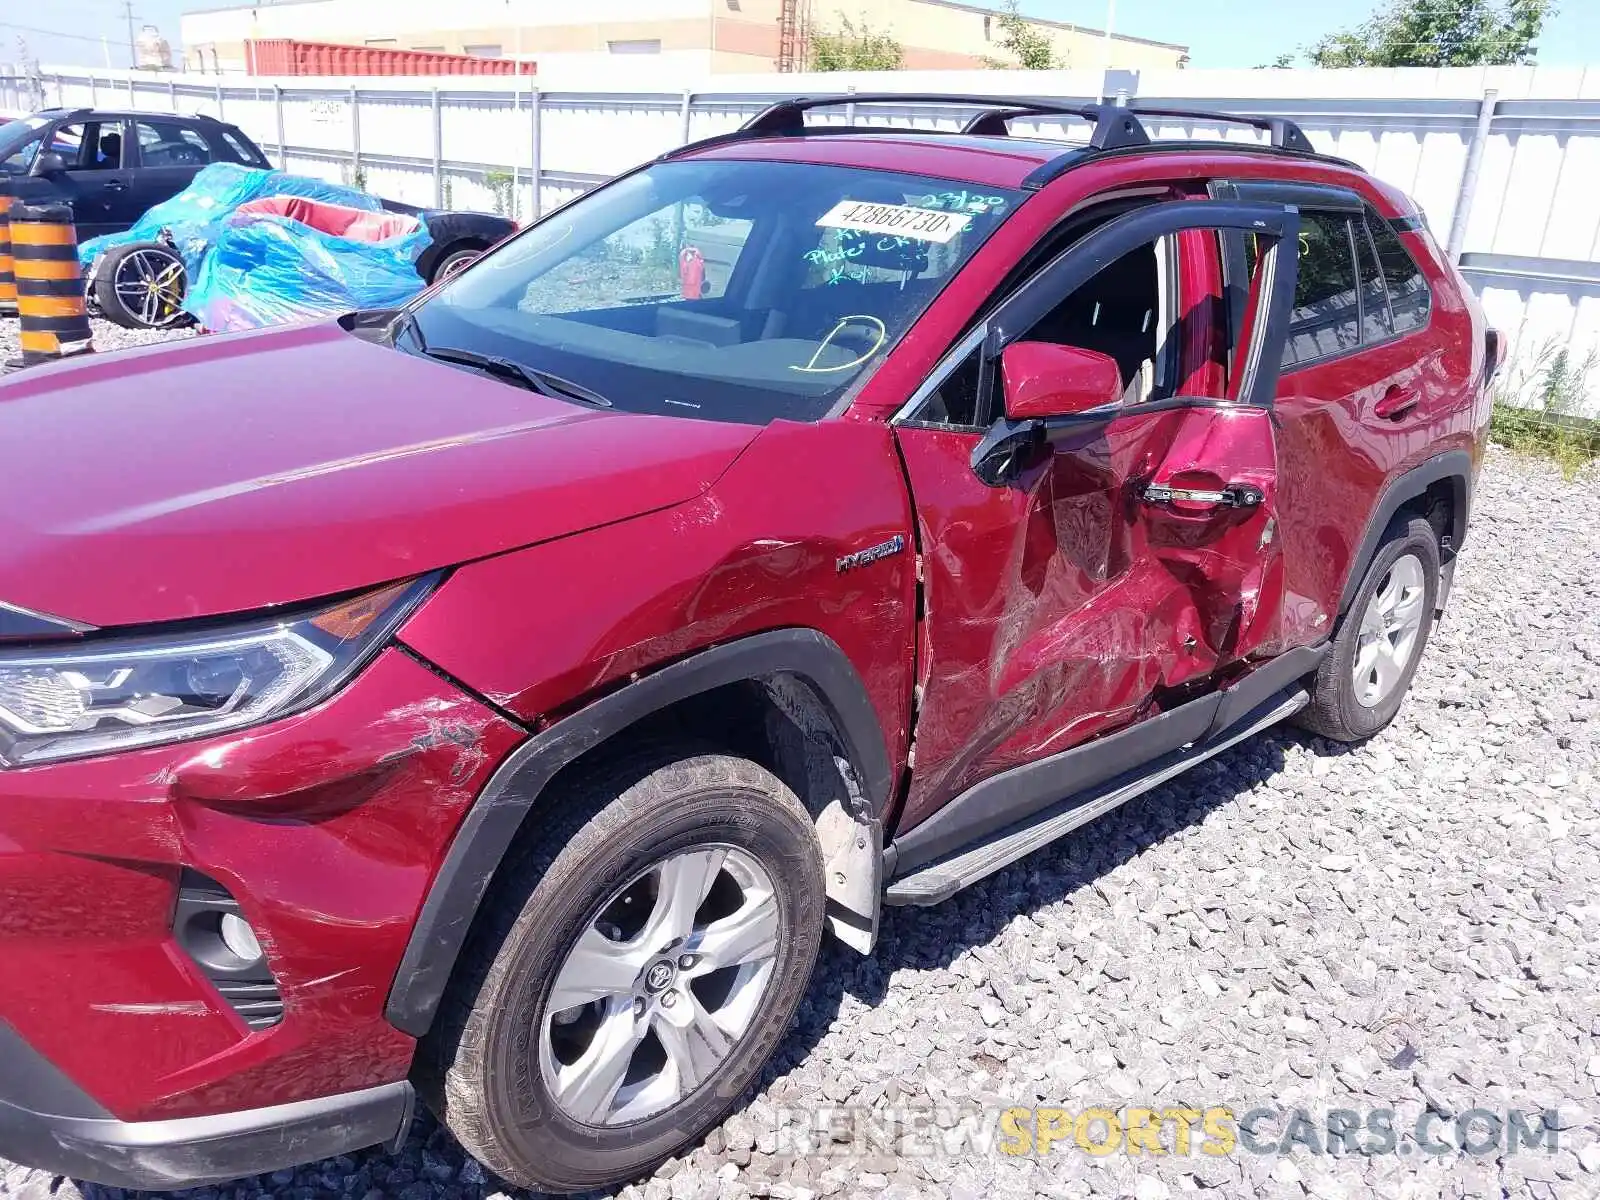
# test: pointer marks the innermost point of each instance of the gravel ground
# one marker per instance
(106, 337)
(1412, 925)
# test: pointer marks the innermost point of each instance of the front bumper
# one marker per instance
(47, 1122)
(326, 828)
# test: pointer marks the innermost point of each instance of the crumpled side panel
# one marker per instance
(1064, 606)
(264, 269)
(194, 214)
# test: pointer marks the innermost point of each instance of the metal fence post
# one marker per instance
(172, 95)
(356, 179)
(536, 121)
(132, 103)
(277, 105)
(219, 102)
(685, 112)
(1469, 177)
(438, 154)
(94, 93)
(849, 109)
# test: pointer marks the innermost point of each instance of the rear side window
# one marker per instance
(1409, 299)
(240, 152)
(1326, 316)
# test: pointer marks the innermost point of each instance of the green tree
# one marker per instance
(852, 49)
(1438, 33)
(1029, 46)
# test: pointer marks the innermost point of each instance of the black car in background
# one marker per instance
(112, 165)
(109, 165)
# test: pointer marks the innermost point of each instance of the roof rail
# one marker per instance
(1115, 126)
(1283, 133)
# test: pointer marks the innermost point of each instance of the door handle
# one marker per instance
(116, 185)
(1235, 495)
(1396, 403)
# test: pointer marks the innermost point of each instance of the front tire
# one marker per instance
(1375, 654)
(632, 971)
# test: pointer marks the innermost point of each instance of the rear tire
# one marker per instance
(454, 263)
(527, 1080)
(1374, 657)
(141, 286)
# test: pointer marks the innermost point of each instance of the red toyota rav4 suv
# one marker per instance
(493, 702)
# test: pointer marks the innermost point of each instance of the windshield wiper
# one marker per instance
(512, 371)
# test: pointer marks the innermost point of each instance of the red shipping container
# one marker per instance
(286, 56)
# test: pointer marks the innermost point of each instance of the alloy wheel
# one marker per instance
(150, 285)
(1389, 630)
(660, 986)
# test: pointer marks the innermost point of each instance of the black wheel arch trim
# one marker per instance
(496, 817)
(1454, 466)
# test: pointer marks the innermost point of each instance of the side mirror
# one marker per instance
(1043, 379)
(48, 162)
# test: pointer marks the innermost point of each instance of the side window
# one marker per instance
(95, 146)
(1376, 321)
(1116, 313)
(1324, 319)
(958, 400)
(1409, 298)
(169, 144)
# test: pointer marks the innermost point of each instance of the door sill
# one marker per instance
(940, 880)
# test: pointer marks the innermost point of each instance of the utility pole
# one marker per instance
(133, 53)
(1111, 19)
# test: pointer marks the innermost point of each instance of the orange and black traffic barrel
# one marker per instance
(8, 281)
(53, 318)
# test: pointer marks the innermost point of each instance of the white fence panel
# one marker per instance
(1525, 226)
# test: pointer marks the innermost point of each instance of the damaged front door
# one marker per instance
(1096, 510)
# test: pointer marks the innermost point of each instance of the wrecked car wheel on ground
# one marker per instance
(141, 286)
(453, 263)
(631, 971)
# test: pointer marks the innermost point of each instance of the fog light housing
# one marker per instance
(216, 935)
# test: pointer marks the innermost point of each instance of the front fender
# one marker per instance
(495, 819)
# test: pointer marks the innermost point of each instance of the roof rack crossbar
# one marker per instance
(1115, 126)
(788, 116)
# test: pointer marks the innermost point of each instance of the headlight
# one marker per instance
(118, 693)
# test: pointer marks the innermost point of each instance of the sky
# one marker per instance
(1220, 33)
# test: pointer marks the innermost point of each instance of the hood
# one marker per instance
(230, 473)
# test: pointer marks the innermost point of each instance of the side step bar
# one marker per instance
(939, 881)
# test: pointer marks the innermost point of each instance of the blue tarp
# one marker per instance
(264, 269)
(195, 214)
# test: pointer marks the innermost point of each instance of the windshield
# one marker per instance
(18, 142)
(729, 290)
